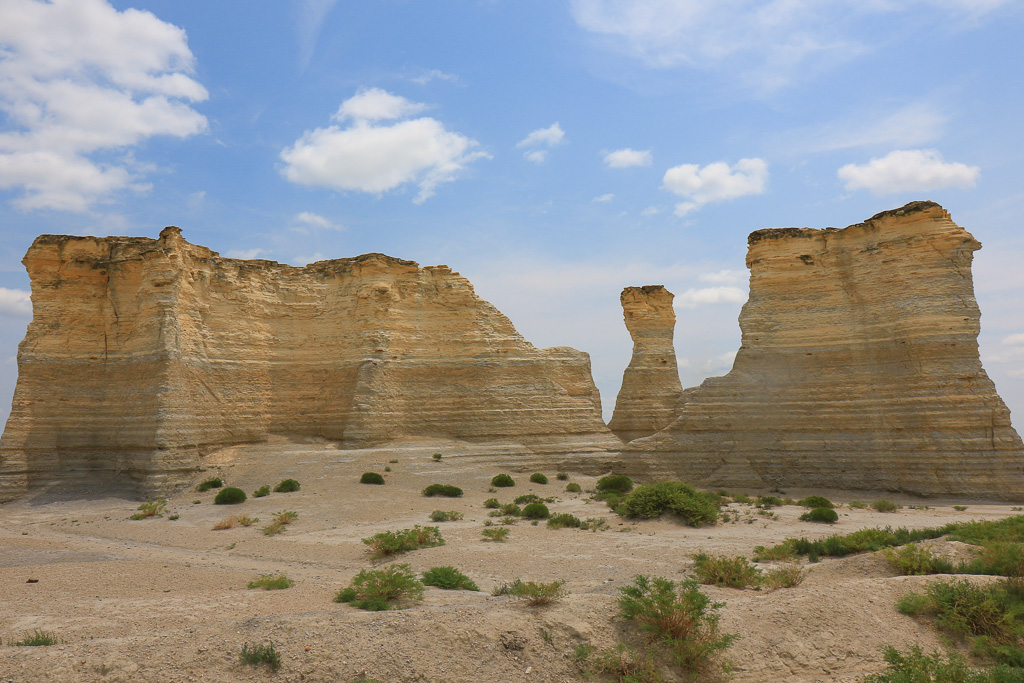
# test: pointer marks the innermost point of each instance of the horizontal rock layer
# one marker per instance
(144, 354)
(858, 369)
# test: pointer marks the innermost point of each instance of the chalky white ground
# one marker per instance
(161, 599)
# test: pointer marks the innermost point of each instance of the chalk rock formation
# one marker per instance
(858, 369)
(650, 385)
(143, 355)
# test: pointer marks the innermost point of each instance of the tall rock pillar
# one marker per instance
(650, 385)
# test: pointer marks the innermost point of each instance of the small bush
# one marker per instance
(625, 663)
(917, 667)
(725, 572)
(915, 560)
(380, 589)
(226, 523)
(815, 502)
(394, 542)
(503, 480)
(371, 478)
(564, 520)
(538, 478)
(281, 520)
(742, 498)
(395, 460)
(151, 508)
(562, 476)
(615, 482)
(445, 516)
(822, 514)
(174, 516)
(508, 521)
(528, 498)
(536, 511)
(681, 620)
(777, 553)
(959, 508)
(783, 577)
(509, 509)
(594, 524)
(271, 582)
(211, 483)
(498, 535)
(442, 490)
(573, 487)
(883, 505)
(229, 496)
(448, 578)
(653, 500)
(857, 505)
(768, 502)
(492, 503)
(436, 456)
(387, 468)
(535, 594)
(246, 520)
(36, 639)
(287, 486)
(254, 655)
(261, 492)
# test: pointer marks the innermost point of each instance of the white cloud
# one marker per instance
(604, 198)
(767, 44)
(715, 182)
(435, 75)
(374, 104)
(727, 277)
(378, 158)
(692, 298)
(15, 302)
(1013, 339)
(548, 137)
(626, 158)
(78, 78)
(906, 171)
(314, 220)
(245, 253)
(537, 156)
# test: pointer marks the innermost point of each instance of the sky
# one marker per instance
(551, 151)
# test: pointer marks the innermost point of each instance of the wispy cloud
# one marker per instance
(603, 198)
(908, 171)
(434, 75)
(310, 15)
(912, 124)
(627, 158)
(542, 137)
(305, 221)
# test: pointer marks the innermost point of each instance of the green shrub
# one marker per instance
(287, 486)
(538, 478)
(822, 514)
(36, 638)
(229, 496)
(573, 487)
(498, 535)
(492, 503)
(615, 482)
(448, 578)
(915, 560)
(281, 520)
(815, 502)
(857, 505)
(270, 582)
(380, 589)
(387, 468)
(211, 483)
(536, 511)
(528, 498)
(371, 478)
(917, 667)
(562, 476)
(502, 480)
(445, 516)
(509, 509)
(959, 508)
(535, 594)
(653, 500)
(394, 542)
(742, 498)
(883, 505)
(174, 516)
(768, 502)
(154, 508)
(777, 553)
(563, 520)
(255, 655)
(624, 662)
(725, 572)
(261, 492)
(682, 621)
(442, 490)
(997, 558)
(783, 577)
(436, 456)
(246, 520)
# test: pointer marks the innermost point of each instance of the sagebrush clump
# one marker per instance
(230, 496)
(210, 483)
(503, 480)
(372, 478)
(254, 655)
(261, 492)
(271, 582)
(151, 508)
(445, 516)
(448, 578)
(394, 542)
(538, 478)
(812, 502)
(533, 593)
(615, 482)
(536, 511)
(728, 572)
(382, 589)
(287, 486)
(695, 508)
(820, 514)
(442, 490)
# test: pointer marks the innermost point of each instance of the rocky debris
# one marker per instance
(858, 369)
(650, 385)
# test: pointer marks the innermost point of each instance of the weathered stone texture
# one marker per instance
(650, 385)
(144, 354)
(858, 369)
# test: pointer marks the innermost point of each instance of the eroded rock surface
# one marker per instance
(143, 355)
(858, 369)
(650, 385)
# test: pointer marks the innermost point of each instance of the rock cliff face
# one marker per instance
(858, 369)
(650, 385)
(143, 355)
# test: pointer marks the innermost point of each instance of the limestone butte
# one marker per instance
(143, 355)
(858, 369)
(650, 385)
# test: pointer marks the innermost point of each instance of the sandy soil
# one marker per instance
(161, 599)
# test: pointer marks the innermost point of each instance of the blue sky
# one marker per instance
(552, 152)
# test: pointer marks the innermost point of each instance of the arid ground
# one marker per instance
(162, 599)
